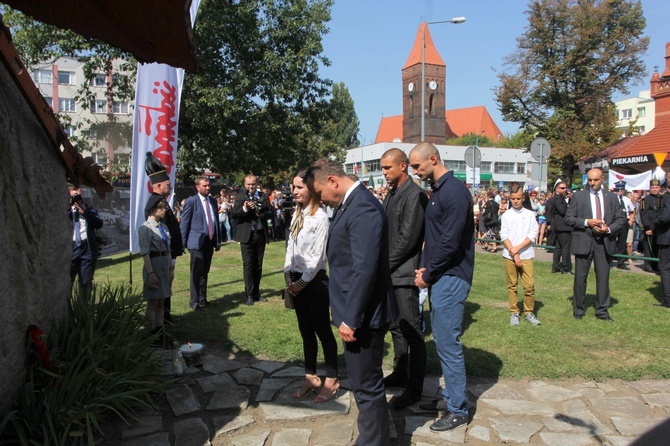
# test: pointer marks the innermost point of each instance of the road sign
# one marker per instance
(540, 149)
(473, 157)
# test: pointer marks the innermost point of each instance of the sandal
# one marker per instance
(328, 394)
(311, 383)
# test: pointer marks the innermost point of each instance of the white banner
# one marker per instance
(639, 181)
(155, 129)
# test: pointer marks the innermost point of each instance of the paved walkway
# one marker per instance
(231, 402)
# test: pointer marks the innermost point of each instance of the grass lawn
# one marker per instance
(634, 347)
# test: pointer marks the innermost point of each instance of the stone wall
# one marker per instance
(34, 239)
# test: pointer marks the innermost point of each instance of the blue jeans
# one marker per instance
(447, 302)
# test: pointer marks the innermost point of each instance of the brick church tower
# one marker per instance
(434, 91)
(660, 90)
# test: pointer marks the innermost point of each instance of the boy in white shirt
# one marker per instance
(518, 232)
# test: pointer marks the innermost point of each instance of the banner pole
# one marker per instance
(130, 266)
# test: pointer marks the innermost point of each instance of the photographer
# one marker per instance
(251, 211)
(84, 220)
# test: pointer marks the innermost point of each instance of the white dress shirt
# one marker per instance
(518, 225)
(307, 253)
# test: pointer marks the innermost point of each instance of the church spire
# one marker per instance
(432, 57)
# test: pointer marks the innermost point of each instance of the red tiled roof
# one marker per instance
(656, 141)
(432, 57)
(613, 151)
(459, 122)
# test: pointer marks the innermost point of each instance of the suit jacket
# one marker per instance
(193, 223)
(559, 208)
(662, 228)
(244, 219)
(93, 223)
(579, 209)
(361, 291)
(405, 211)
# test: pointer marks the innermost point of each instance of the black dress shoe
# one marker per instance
(395, 380)
(262, 299)
(555, 271)
(623, 267)
(570, 273)
(249, 301)
(578, 316)
(647, 270)
(430, 407)
(606, 319)
(407, 398)
(662, 304)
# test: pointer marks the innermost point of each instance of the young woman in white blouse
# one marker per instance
(307, 282)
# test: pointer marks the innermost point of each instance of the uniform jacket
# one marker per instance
(579, 209)
(405, 210)
(662, 228)
(650, 209)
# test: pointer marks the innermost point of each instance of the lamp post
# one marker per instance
(456, 21)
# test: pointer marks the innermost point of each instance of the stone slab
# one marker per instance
(159, 439)
(592, 393)
(270, 387)
(294, 372)
(495, 391)
(148, 424)
(230, 423)
(480, 433)
(255, 438)
(630, 426)
(549, 392)
(337, 433)
(216, 382)
(657, 399)
(518, 430)
(563, 439)
(292, 437)
(419, 426)
(191, 432)
(248, 376)
(619, 441)
(287, 408)
(558, 424)
(516, 407)
(624, 406)
(235, 397)
(182, 400)
(651, 385)
(268, 366)
(576, 413)
(215, 364)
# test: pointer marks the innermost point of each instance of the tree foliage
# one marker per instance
(572, 58)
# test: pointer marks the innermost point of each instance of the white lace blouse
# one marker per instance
(307, 254)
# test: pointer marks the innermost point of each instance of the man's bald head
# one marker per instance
(396, 155)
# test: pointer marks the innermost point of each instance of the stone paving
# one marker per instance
(230, 402)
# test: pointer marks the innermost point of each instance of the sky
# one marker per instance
(370, 40)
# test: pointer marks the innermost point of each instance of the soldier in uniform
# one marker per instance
(650, 209)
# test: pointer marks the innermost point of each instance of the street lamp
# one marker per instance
(456, 21)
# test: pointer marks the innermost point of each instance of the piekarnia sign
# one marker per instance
(640, 159)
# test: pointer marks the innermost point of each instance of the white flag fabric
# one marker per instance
(638, 181)
(155, 130)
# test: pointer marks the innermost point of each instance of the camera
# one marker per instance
(260, 206)
(76, 199)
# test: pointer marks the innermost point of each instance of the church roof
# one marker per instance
(432, 57)
(459, 122)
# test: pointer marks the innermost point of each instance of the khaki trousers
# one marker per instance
(527, 281)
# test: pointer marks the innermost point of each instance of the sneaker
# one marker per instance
(448, 422)
(514, 320)
(530, 317)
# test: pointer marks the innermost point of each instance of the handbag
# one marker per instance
(288, 300)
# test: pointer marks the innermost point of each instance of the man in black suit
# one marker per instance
(405, 205)
(361, 292)
(662, 231)
(595, 216)
(563, 232)
(85, 221)
(200, 234)
(251, 213)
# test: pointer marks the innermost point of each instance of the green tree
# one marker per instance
(572, 58)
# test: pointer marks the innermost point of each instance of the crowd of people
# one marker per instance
(384, 248)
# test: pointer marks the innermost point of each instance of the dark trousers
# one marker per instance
(252, 261)
(408, 344)
(83, 265)
(601, 261)
(621, 244)
(551, 239)
(562, 256)
(650, 250)
(364, 365)
(201, 261)
(312, 308)
(664, 269)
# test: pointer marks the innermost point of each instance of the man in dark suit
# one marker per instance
(447, 267)
(361, 292)
(563, 232)
(200, 234)
(650, 208)
(595, 216)
(85, 221)
(251, 211)
(662, 231)
(405, 205)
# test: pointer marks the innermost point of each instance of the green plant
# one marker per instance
(100, 365)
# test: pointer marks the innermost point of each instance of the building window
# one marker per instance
(49, 101)
(456, 166)
(372, 166)
(431, 111)
(66, 105)
(120, 107)
(42, 77)
(99, 80)
(411, 106)
(501, 167)
(520, 167)
(70, 131)
(641, 112)
(118, 79)
(485, 166)
(627, 113)
(99, 106)
(66, 78)
(93, 134)
(642, 129)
